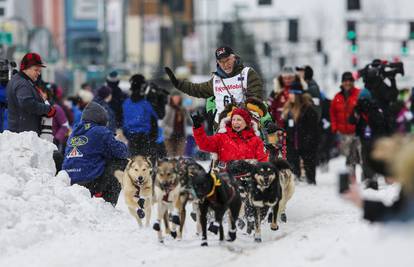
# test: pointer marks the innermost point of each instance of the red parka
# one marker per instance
(231, 145)
(341, 109)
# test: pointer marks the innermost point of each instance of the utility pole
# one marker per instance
(142, 40)
(125, 5)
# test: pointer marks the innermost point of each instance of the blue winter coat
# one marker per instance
(137, 117)
(88, 149)
(3, 109)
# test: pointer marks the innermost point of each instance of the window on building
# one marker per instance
(2, 11)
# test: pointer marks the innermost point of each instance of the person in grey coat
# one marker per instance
(25, 102)
(306, 72)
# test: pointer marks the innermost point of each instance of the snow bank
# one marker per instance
(46, 222)
(34, 204)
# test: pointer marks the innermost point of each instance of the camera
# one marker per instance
(379, 70)
(7, 69)
(157, 96)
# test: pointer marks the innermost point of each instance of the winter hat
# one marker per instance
(175, 92)
(31, 59)
(112, 76)
(296, 88)
(244, 114)
(94, 112)
(223, 52)
(104, 92)
(85, 95)
(347, 76)
(287, 70)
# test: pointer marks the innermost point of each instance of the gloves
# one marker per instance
(51, 112)
(172, 77)
(197, 119)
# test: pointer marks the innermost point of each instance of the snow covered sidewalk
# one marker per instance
(46, 222)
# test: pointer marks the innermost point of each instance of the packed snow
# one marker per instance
(46, 222)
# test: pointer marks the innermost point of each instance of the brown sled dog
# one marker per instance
(136, 181)
(167, 197)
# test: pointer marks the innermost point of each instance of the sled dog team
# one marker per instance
(248, 191)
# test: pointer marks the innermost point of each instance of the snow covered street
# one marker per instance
(46, 222)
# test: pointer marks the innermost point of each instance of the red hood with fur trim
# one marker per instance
(232, 145)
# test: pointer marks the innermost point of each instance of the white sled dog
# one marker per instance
(136, 182)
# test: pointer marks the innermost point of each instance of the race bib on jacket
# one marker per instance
(234, 85)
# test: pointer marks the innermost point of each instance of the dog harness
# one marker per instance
(216, 183)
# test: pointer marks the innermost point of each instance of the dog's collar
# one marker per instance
(216, 182)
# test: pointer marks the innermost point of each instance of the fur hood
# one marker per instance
(278, 84)
(225, 123)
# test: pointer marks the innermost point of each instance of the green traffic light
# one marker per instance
(351, 35)
(404, 50)
(354, 48)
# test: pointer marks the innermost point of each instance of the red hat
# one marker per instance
(244, 114)
(31, 59)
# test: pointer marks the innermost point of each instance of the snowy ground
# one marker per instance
(46, 222)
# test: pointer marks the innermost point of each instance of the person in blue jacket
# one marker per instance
(140, 121)
(93, 154)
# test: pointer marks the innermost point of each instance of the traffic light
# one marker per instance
(351, 32)
(411, 34)
(404, 48)
(354, 61)
(354, 46)
(319, 46)
(293, 36)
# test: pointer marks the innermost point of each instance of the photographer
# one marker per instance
(373, 116)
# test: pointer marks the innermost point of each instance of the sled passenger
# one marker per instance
(235, 140)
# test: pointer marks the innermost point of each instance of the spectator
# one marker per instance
(396, 154)
(235, 141)
(25, 103)
(60, 124)
(306, 73)
(118, 97)
(280, 94)
(103, 98)
(302, 131)
(341, 110)
(93, 154)
(140, 121)
(173, 126)
(76, 111)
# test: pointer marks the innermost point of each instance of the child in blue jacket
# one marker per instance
(93, 154)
